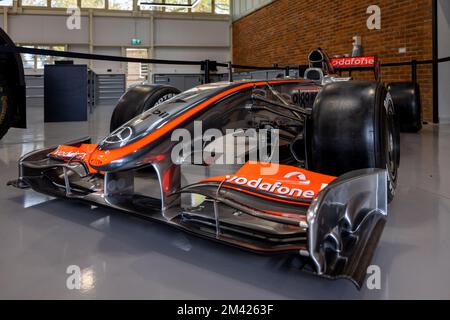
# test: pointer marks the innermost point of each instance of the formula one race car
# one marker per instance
(300, 167)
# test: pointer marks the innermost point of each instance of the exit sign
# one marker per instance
(136, 42)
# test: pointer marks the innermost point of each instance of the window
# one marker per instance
(63, 3)
(95, 4)
(149, 7)
(43, 60)
(206, 6)
(34, 3)
(222, 7)
(145, 71)
(6, 3)
(203, 6)
(175, 8)
(136, 72)
(28, 59)
(31, 61)
(120, 4)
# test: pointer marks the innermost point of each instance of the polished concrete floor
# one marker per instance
(123, 257)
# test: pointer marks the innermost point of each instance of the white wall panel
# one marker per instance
(444, 68)
(102, 66)
(197, 54)
(192, 32)
(98, 65)
(46, 29)
(120, 31)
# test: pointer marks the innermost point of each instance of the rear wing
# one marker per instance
(362, 63)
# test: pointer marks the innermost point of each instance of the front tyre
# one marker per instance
(353, 127)
(139, 99)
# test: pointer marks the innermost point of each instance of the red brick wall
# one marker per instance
(285, 31)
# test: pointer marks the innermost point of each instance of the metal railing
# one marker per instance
(207, 66)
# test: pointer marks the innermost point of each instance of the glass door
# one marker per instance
(136, 72)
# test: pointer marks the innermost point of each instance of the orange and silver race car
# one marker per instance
(300, 167)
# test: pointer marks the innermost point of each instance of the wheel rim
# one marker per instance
(391, 146)
(3, 107)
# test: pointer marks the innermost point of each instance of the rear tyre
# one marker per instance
(139, 99)
(353, 127)
(407, 104)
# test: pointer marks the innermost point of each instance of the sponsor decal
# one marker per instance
(300, 176)
(352, 62)
(164, 99)
(278, 187)
(75, 154)
(290, 182)
(121, 135)
(69, 154)
(305, 98)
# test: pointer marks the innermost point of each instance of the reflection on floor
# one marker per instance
(123, 257)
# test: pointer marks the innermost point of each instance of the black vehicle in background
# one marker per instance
(12, 88)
